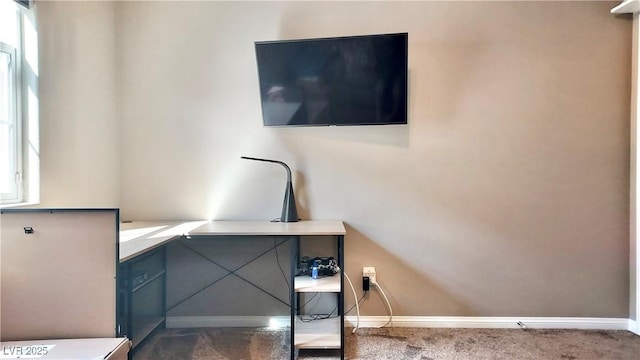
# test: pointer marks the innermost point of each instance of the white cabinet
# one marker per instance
(58, 273)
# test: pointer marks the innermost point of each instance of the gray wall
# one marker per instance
(506, 195)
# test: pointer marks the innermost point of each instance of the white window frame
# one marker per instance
(25, 148)
(14, 124)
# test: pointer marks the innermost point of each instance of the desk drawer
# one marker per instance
(146, 270)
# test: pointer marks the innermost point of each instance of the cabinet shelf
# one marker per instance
(323, 284)
(318, 334)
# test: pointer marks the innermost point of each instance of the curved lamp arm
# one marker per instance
(289, 210)
(271, 161)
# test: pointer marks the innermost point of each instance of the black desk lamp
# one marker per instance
(289, 210)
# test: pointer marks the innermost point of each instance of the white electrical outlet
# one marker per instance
(370, 272)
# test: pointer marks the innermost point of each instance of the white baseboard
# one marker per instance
(417, 321)
(493, 322)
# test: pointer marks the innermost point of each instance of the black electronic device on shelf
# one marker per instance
(318, 266)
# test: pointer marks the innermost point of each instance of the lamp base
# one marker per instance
(289, 210)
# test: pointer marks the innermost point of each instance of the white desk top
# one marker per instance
(140, 236)
(300, 228)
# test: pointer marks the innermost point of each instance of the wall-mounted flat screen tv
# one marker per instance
(355, 80)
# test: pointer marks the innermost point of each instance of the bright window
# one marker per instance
(19, 149)
(10, 166)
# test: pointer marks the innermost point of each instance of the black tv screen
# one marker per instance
(356, 80)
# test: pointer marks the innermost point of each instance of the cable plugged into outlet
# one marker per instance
(365, 283)
(369, 279)
(369, 272)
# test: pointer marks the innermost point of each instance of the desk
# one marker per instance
(139, 239)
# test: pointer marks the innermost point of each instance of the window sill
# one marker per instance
(8, 206)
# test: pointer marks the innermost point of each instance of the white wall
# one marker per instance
(506, 195)
(80, 149)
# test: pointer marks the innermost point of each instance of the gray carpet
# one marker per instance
(396, 343)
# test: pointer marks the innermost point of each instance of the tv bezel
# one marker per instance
(337, 38)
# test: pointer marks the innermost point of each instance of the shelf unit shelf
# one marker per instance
(318, 334)
(322, 284)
